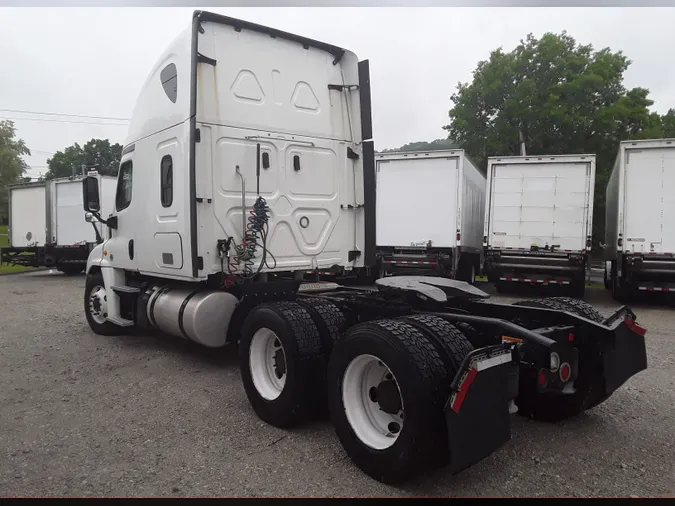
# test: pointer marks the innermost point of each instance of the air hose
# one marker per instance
(255, 237)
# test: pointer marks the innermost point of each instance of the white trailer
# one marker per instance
(27, 215)
(539, 220)
(430, 212)
(249, 162)
(47, 226)
(640, 219)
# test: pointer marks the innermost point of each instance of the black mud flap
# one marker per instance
(625, 354)
(477, 412)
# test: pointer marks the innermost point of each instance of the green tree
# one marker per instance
(12, 167)
(562, 97)
(97, 151)
(434, 145)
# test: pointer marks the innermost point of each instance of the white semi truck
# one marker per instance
(539, 220)
(47, 227)
(250, 162)
(430, 212)
(640, 219)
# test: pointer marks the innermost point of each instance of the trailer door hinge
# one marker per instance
(351, 154)
(350, 206)
(200, 263)
(201, 199)
(353, 255)
(340, 87)
(198, 135)
(205, 59)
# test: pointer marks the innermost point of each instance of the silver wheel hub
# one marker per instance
(372, 402)
(267, 363)
(98, 304)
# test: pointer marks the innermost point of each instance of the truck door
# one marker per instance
(649, 208)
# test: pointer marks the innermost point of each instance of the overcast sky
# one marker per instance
(93, 61)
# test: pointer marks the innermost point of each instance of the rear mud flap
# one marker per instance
(477, 412)
(626, 354)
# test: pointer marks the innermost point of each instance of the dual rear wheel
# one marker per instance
(384, 382)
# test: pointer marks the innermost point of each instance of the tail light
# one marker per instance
(635, 327)
(541, 378)
(620, 242)
(565, 372)
(459, 236)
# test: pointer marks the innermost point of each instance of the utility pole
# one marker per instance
(522, 143)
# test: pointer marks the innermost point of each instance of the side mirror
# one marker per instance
(91, 198)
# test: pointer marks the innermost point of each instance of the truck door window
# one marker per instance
(123, 196)
(166, 181)
(169, 78)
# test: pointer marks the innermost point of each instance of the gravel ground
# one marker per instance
(82, 414)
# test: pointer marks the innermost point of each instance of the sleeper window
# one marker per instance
(169, 78)
(166, 181)
(124, 186)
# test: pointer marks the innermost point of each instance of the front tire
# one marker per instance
(96, 306)
(281, 363)
(384, 379)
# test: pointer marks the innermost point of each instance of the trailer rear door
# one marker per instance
(649, 215)
(417, 202)
(28, 216)
(539, 204)
(71, 228)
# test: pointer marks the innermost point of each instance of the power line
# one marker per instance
(66, 121)
(64, 114)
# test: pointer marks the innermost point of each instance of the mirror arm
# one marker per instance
(111, 222)
(99, 239)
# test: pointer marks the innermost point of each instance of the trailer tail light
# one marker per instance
(565, 372)
(459, 236)
(635, 327)
(620, 242)
(570, 338)
(541, 378)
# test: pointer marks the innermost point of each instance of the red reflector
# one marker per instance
(459, 236)
(565, 372)
(570, 338)
(635, 327)
(541, 378)
(463, 388)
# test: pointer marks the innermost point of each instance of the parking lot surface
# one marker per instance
(82, 414)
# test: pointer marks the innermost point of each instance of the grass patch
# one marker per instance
(7, 268)
(4, 243)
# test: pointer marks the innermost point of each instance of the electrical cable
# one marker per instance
(64, 121)
(64, 114)
(255, 237)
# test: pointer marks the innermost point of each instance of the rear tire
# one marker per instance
(589, 384)
(501, 287)
(96, 307)
(399, 450)
(467, 270)
(70, 270)
(281, 363)
(577, 289)
(581, 308)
